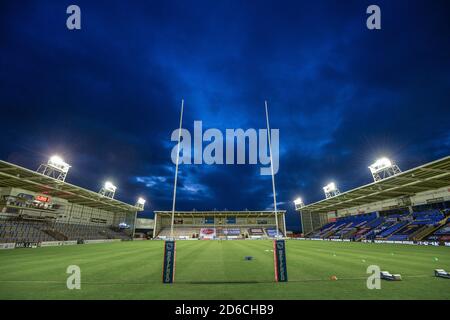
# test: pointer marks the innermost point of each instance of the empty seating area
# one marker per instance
(39, 231)
(442, 233)
(178, 232)
(396, 227)
(417, 223)
(365, 230)
(329, 229)
(87, 232)
(345, 227)
(24, 231)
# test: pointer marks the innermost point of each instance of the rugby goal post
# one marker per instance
(279, 245)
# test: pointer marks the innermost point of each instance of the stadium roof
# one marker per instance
(223, 212)
(15, 176)
(430, 176)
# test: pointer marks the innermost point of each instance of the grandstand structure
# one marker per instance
(219, 224)
(36, 207)
(413, 205)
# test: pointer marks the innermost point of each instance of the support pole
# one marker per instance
(271, 168)
(134, 225)
(176, 171)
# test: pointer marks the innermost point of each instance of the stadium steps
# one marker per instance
(424, 233)
(400, 235)
(334, 230)
(419, 231)
(392, 230)
(329, 233)
(360, 234)
(309, 234)
(55, 234)
(350, 233)
(372, 234)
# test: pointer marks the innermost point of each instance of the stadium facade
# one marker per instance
(219, 224)
(413, 205)
(37, 207)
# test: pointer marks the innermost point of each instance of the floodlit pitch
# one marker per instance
(218, 270)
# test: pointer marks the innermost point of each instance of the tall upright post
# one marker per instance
(271, 168)
(176, 171)
(134, 224)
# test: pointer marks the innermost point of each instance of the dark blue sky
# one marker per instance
(107, 97)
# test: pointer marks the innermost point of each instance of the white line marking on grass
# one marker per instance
(200, 282)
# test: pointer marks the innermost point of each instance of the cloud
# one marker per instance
(150, 182)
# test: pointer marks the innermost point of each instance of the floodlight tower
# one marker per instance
(383, 168)
(298, 203)
(331, 190)
(140, 203)
(108, 190)
(55, 168)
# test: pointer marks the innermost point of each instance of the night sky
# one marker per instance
(107, 97)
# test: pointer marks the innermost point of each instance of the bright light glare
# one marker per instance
(141, 201)
(298, 201)
(330, 187)
(110, 187)
(380, 164)
(57, 162)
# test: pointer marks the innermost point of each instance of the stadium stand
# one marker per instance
(24, 231)
(367, 228)
(20, 230)
(442, 234)
(419, 223)
(391, 229)
(188, 232)
(219, 224)
(351, 227)
(40, 206)
(218, 233)
(429, 224)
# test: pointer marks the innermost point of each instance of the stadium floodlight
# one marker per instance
(331, 190)
(55, 168)
(140, 203)
(383, 168)
(298, 203)
(110, 187)
(108, 190)
(58, 162)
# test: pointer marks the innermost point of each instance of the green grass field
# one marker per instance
(217, 270)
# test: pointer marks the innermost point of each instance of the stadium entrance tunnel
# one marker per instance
(225, 261)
